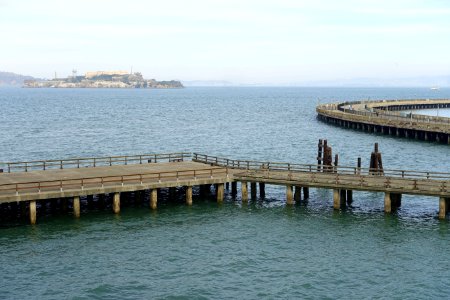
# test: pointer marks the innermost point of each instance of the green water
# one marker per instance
(227, 251)
(208, 251)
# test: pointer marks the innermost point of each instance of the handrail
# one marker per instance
(313, 168)
(380, 112)
(363, 182)
(93, 161)
(103, 180)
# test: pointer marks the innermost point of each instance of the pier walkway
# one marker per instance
(28, 183)
(393, 117)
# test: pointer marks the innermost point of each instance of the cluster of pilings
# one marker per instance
(293, 193)
(114, 201)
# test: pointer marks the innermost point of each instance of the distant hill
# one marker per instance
(12, 79)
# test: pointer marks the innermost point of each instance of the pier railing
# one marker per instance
(84, 162)
(365, 182)
(380, 113)
(111, 181)
(312, 168)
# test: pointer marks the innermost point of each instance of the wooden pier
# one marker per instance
(25, 184)
(391, 117)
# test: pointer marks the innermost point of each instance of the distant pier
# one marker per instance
(390, 117)
(60, 184)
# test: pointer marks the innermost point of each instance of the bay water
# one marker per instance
(263, 249)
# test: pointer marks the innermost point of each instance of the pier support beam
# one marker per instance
(116, 203)
(253, 190)
(204, 190)
(76, 206)
(219, 192)
(305, 192)
(444, 204)
(262, 190)
(234, 188)
(244, 191)
(153, 198)
(289, 195)
(338, 201)
(189, 195)
(349, 197)
(298, 194)
(392, 201)
(33, 212)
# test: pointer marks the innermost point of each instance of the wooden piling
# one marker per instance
(253, 190)
(220, 192)
(443, 207)
(189, 195)
(33, 216)
(289, 195)
(319, 155)
(234, 188)
(262, 190)
(337, 199)
(387, 202)
(116, 203)
(244, 191)
(305, 192)
(298, 193)
(349, 197)
(154, 198)
(76, 206)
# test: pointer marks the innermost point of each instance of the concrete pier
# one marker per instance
(116, 203)
(76, 206)
(189, 195)
(153, 198)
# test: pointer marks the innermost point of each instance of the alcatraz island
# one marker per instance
(103, 79)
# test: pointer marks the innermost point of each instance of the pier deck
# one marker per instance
(386, 117)
(75, 178)
(70, 182)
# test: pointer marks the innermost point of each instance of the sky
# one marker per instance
(240, 41)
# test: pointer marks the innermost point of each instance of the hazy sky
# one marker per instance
(253, 41)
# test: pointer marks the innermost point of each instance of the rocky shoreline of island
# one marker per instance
(103, 79)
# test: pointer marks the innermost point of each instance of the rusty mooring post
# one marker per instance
(327, 157)
(358, 166)
(336, 161)
(376, 162)
(319, 155)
